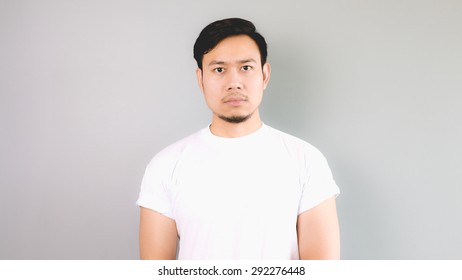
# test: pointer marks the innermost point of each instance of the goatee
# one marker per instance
(235, 119)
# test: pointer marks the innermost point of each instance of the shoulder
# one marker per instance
(169, 156)
(295, 146)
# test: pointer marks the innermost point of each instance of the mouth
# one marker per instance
(235, 100)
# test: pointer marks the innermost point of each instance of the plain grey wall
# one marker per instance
(91, 90)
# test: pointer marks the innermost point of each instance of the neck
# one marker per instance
(226, 129)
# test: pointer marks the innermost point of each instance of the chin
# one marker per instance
(235, 119)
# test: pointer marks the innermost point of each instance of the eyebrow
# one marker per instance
(219, 62)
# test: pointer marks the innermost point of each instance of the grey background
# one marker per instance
(91, 90)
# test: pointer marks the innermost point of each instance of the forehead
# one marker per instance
(240, 47)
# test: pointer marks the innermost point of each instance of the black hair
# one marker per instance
(219, 30)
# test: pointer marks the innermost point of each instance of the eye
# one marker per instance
(219, 69)
(246, 68)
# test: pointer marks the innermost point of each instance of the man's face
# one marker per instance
(233, 80)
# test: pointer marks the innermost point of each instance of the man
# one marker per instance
(237, 189)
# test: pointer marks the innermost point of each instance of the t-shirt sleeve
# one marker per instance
(154, 192)
(319, 184)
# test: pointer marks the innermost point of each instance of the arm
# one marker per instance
(318, 232)
(158, 236)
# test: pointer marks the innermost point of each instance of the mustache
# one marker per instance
(234, 97)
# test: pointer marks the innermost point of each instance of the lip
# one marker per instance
(235, 101)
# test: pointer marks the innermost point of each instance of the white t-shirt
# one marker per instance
(237, 198)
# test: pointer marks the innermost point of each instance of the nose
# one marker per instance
(234, 81)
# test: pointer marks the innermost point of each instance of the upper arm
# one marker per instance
(158, 235)
(318, 232)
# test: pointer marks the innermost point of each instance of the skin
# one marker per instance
(232, 82)
(158, 236)
(318, 232)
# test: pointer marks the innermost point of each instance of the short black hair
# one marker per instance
(219, 30)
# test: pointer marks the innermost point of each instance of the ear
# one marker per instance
(266, 74)
(199, 79)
